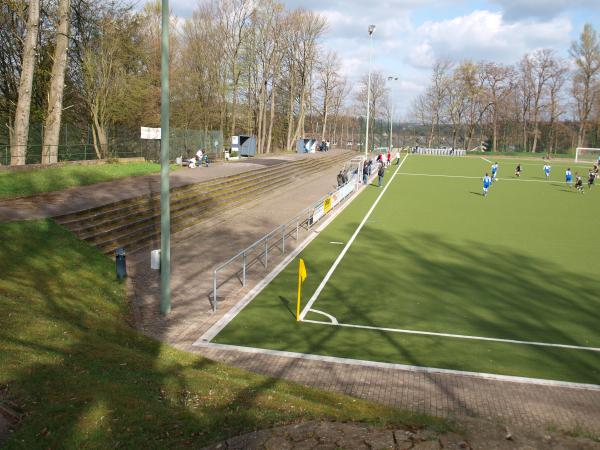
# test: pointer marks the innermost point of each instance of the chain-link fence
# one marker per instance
(76, 143)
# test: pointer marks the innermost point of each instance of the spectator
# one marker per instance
(327, 145)
(365, 173)
(380, 174)
(389, 158)
(199, 156)
(340, 178)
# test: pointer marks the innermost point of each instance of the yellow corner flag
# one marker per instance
(301, 278)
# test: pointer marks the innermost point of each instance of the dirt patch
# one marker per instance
(473, 434)
(10, 415)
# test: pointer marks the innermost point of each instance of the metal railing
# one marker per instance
(258, 252)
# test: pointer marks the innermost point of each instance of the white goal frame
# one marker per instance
(586, 149)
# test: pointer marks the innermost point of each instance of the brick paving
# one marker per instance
(474, 435)
(437, 394)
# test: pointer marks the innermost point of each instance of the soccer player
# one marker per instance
(487, 182)
(591, 177)
(494, 171)
(518, 171)
(578, 182)
(547, 169)
(569, 178)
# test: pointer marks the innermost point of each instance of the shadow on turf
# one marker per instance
(84, 378)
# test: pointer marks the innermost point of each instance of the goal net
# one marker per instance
(587, 154)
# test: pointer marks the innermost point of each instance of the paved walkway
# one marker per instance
(84, 197)
(474, 435)
(437, 394)
(196, 252)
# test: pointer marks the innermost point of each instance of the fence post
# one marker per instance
(214, 291)
(283, 239)
(244, 269)
(266, 251)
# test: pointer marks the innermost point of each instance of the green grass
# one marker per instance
(436, 256)
(84, 379)
(539, 154)
(19, 184)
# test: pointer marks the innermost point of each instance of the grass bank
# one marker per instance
(82, 378)
(20, 184)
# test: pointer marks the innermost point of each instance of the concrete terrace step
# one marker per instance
(135, 223)
(114, 215)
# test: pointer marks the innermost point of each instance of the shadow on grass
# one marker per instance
(86, 379)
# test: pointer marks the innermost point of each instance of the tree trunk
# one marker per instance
(270, 135)
(234, 98)
(57, 83)
(100, 139)
(291, 112)
(581, 134)
(325, 112)
(19, 147)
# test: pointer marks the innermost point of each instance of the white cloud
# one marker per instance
(485, 35)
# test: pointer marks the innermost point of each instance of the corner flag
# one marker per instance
(301, 278)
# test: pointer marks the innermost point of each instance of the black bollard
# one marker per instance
(121, 265)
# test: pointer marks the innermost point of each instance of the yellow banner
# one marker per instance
(327, 205)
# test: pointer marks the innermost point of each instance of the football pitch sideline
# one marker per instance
(427, 272)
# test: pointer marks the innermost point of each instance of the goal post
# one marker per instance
(584, 154)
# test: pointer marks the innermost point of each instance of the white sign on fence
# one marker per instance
(150, 133)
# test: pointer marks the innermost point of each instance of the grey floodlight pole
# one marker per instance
(165, 213)
(391, 113)
(371, 30)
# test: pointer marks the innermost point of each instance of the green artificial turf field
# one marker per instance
(435, 256)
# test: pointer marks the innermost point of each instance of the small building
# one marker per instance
(244, 145)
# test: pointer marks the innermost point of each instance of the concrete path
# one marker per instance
(84, 197)
(441, 395)
(198, 250)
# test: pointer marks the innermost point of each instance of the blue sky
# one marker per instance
(412, 34)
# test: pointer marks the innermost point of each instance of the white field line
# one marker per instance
(478, 178)
(347, 247)
(405, 367)
(486, 160)
(455, 336)
(332, 319)
(235, 310)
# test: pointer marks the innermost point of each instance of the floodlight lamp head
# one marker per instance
(371, 29)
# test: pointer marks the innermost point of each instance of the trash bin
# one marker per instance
(121, 265)
(155, 259)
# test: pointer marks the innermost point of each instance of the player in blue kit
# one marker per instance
(569, 178)
(487, 182)
(547, 169)
(494, 171)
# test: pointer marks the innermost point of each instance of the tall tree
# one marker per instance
(329, 81)
(57, 83)
(21, 128)
(498, 82)
(586, 53)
